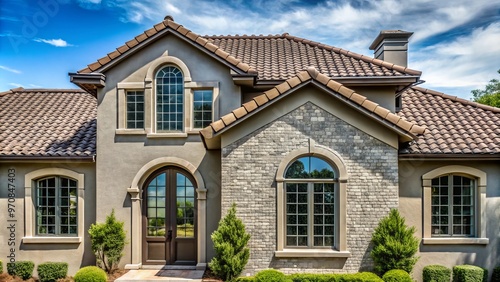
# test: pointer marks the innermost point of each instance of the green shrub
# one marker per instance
(469, 273)
(394, 244)
(90, 274)
(436, 273)
(397, 275)
(108, 240)
(495, 277)
(270, 275)
(364, 277)
(51, 271)
(1, 267)
(245, 279)
(230, 244)
(308, 277)
(351, 277)
(23, 269)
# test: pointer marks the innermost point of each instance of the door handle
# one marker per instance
(169, 236)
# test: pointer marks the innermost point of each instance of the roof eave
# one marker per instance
(439, 157)
(356, 81)
(89, 82)
(47, 158)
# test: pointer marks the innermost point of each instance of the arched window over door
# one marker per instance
(169, 225)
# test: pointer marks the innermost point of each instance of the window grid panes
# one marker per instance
(135, 109)
(202, 108)
(310, 203)
(169, 100)
(185, 206)
(156, 206)
(56, 206)
(452, 205)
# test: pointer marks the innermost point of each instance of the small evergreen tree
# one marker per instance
(108, 241)
(230, 243)
(394, 244)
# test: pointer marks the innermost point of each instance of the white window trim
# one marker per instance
(30, 220)
(480, 178)
(148, 86)
(341, 225)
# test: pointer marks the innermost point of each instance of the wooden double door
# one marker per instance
(169, 218)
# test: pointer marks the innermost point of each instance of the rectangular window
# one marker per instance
(202, 108)
(310, 216)
(135, 109)
(452, 206)
(56, 206)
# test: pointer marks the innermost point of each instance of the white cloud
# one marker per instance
(16, 84)
(10, 70)
(468, 61)
(171, 8)
(34, 85)
(55, 42)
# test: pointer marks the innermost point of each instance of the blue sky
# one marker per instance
(456, 44)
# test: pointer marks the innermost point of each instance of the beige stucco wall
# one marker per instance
(75, 254)
(120, 157)
(382, 95)
(410, 192)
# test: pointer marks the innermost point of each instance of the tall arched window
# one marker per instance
(310, 200)
(169, 100)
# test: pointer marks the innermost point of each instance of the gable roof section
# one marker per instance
(277, 57)
(311, 75)
(47, 124)
(455, 126)
(153, 32)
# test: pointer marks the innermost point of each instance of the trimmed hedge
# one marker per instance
(469, 273)
(495, 277)
(245, 279)
(270, 275)
(397, 275)
(51, 271)
(22, 268)
(90, 274)
(436, 273)
(309, 277)
(1, 267)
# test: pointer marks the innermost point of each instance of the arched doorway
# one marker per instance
(169, 218)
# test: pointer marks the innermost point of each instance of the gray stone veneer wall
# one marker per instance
(248, 178)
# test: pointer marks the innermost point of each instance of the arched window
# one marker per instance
(169, 100)
(310, 203)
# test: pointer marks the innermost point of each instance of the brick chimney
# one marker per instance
(392, 46)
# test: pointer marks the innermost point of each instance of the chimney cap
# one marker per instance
(394, 33)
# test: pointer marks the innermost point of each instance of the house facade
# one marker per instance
(315, 144)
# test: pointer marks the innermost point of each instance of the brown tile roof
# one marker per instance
(306, 76)
(168, 24)
(454, 125)
(47, 123)
(273, 57)
(280, 57)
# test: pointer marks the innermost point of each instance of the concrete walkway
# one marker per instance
(181, 275)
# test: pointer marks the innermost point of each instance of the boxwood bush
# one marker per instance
(397, 275)
(436, 273)
(1, 267)
(90, 274)
(495, 277)
(270, 275)
(469, 273)
(51, 271)
(22, 268)
(245, 279)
